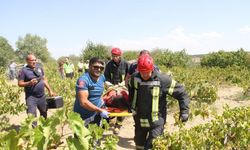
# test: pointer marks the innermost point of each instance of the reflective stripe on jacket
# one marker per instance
(148, 98)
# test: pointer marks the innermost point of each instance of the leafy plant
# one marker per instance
(229, 131)
(9, 101)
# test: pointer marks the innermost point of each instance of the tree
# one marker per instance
(248, 60)
(74, 59)
(33, 44)
(95, 50)
(130, 55)
(6, 51)
(224, 59)
(170, 59)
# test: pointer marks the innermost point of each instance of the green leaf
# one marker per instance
(77, 125)
(11, 140)
(74, 144)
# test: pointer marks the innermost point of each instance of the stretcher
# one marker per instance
(116, 112)
(122, 114)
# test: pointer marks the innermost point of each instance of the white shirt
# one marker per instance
(80, 65)
(13, 66)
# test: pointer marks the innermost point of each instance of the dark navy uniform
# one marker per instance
(115, 73)
(148, 103)
(34, 95)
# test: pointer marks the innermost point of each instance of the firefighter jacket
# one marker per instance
(148, 98)
(115, 73)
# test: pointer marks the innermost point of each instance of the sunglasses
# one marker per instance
(98, 67)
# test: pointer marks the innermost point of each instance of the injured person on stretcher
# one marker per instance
(116, 100)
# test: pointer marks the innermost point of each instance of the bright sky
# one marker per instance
(199, 26)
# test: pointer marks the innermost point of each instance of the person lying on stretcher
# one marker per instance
(116, 98)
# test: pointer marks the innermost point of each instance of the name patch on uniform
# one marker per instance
(81, 83)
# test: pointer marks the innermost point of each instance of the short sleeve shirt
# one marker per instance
(95, 90)
(26, 74)
(80, 65)
(13, 66)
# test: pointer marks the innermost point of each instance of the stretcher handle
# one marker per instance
(121, 114)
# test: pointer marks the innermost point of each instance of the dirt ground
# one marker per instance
(226, 95)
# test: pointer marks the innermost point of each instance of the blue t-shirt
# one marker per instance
(95, 90)
(27, 74)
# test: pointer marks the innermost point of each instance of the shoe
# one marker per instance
(116, 130)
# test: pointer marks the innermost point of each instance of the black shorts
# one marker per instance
(70, 75)
(80, 70)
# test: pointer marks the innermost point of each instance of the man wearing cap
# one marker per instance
(115, 73)
(147, 94)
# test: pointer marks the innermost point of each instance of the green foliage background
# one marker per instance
(226, 59)
(33, 44)
(95, 50)
(6, 51)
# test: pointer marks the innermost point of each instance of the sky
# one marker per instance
(199, 26)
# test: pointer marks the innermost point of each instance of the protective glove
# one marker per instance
(104, 114)
(184, 117)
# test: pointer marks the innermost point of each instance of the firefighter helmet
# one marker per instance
(145, 63)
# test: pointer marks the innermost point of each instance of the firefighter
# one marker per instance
(115, 72)
(147, 94)
(133, 67)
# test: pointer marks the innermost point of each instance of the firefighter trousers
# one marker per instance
(145, 135)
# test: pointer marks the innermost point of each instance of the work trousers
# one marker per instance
(40, 103)
(145, 135)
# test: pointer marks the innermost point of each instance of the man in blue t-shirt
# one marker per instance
(89, 89)
(32, 78)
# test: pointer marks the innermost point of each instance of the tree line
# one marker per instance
(163, 57)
